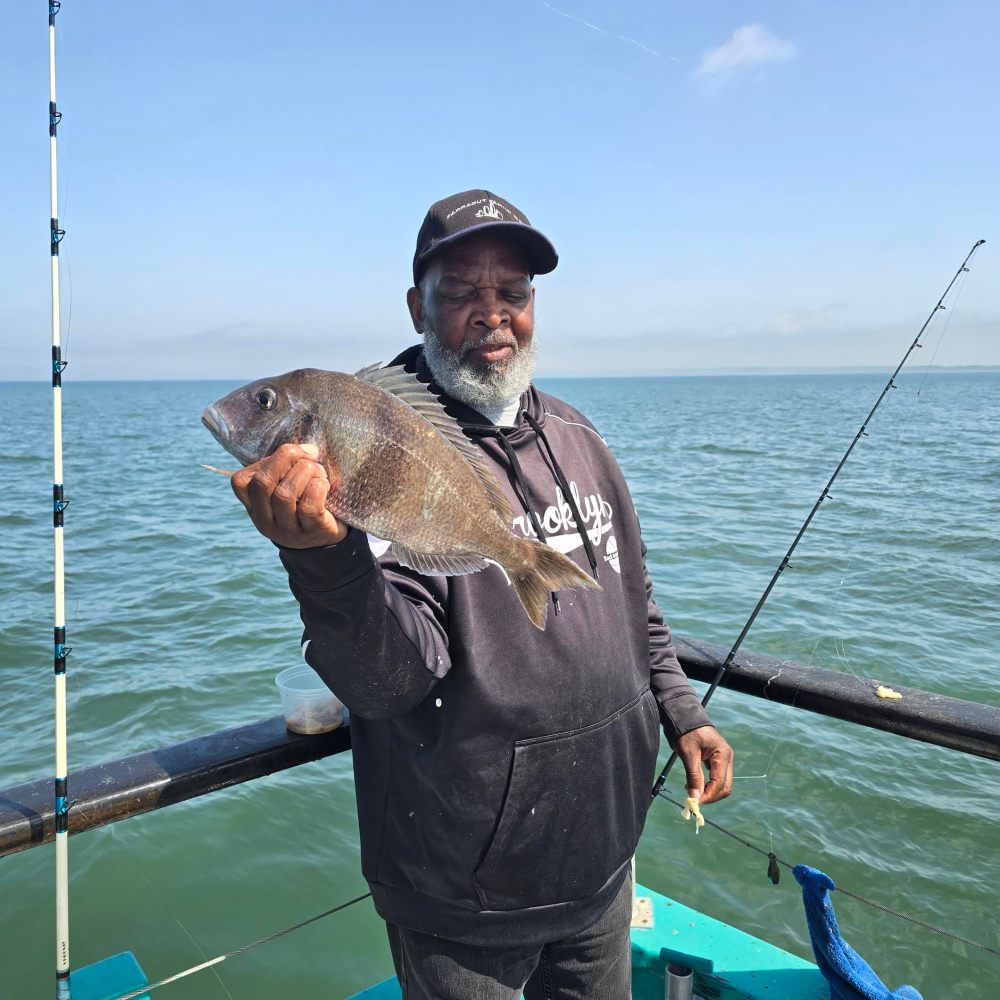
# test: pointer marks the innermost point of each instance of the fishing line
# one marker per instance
(219, 959)
(824, 495)
(69, 310)
(944, 329)
(889, 475)
(831, 614)
(775, 861)
(896, 453)
(190, 937)
(839, 646)
(895, 456)
(66, 256)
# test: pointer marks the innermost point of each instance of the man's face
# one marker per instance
(476, 296)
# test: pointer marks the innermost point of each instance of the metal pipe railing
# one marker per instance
(967, 726)
(129, 786)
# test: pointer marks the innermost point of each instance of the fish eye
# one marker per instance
(265, 398)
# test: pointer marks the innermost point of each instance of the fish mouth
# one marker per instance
(216, 424)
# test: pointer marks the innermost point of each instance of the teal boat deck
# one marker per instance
(109, 978)
(728, 963)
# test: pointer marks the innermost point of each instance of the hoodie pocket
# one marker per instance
(573, 812)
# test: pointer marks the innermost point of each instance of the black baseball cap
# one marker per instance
(470, 212)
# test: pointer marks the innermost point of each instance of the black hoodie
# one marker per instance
(502, 773)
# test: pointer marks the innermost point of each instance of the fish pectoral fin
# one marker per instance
(438, 565)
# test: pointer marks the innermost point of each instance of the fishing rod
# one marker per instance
(862, 432)
(59, 504)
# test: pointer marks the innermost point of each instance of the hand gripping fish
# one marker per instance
(400, 468)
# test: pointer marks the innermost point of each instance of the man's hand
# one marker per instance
(285, 496)
(706, 745)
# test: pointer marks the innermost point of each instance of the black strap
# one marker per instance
(567, 493)
(525, 498)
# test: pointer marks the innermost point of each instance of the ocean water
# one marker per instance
(179, 617)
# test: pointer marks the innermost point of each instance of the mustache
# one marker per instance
(495, 338)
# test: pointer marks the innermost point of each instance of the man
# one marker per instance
(502, 773)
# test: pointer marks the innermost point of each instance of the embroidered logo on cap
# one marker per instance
(491, 210)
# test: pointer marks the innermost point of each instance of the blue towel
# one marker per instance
(849, 975)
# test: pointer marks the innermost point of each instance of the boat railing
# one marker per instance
(153, 779)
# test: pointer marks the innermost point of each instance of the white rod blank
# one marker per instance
(59, 574)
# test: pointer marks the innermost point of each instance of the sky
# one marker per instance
(730, 185)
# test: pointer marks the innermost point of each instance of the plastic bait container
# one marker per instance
(309, 706)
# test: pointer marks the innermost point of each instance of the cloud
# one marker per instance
(806, 320)
(750, 46)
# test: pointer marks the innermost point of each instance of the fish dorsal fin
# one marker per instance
(408, 388)
(363, 373)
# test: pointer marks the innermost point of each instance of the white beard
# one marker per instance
(490, 389)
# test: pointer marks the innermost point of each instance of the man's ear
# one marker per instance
(415, 303)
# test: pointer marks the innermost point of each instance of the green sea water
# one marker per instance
(179, 617)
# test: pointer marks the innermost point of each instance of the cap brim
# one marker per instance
(542, 256)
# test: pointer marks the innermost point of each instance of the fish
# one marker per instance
(400, 469)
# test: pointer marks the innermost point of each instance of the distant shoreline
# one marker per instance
(762, 371)
(771, 371)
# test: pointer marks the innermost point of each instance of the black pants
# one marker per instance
(594, 964)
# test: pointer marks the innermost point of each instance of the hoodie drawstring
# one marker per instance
(525, 499)
(567, 493)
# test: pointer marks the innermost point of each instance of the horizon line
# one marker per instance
(760, 370)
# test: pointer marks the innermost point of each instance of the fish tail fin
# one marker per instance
(547, 571)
